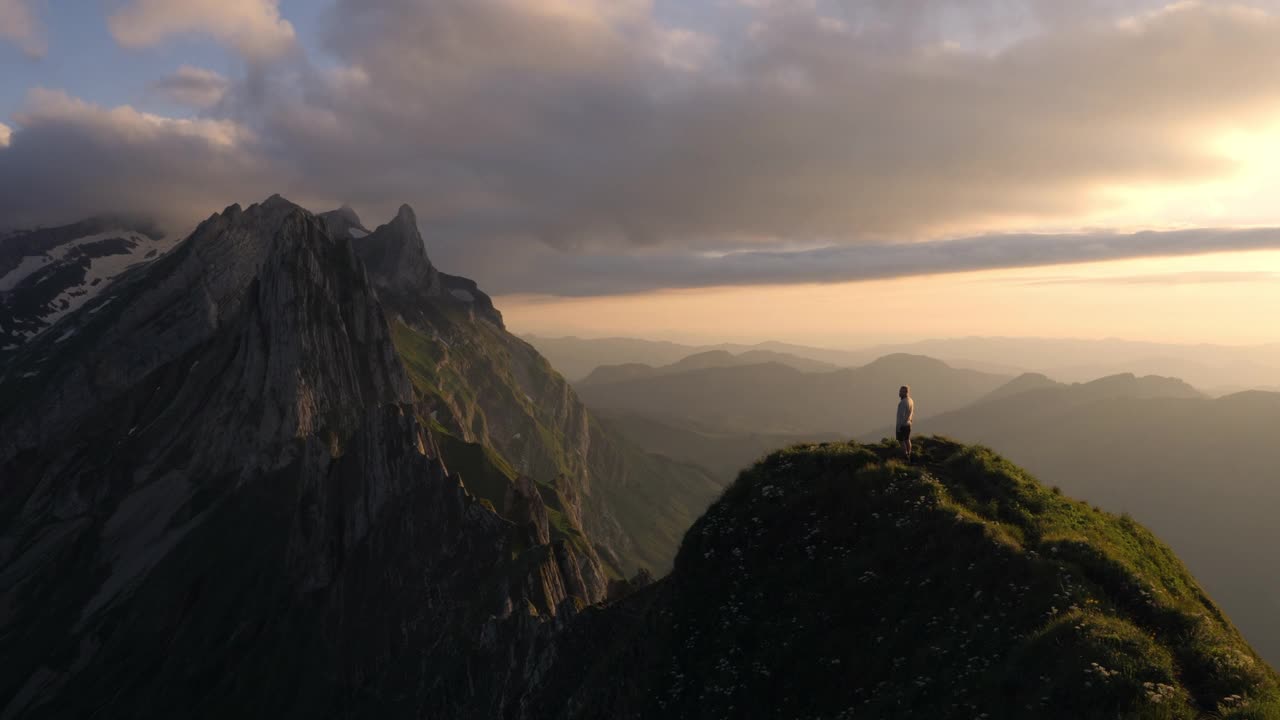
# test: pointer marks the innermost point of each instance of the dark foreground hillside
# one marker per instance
(831, 581)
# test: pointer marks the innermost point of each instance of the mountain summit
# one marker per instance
(396, 256)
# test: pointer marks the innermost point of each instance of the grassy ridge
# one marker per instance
(833, 581)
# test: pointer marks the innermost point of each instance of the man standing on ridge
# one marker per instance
(906, 413)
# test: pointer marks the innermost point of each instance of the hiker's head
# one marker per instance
(904, 391)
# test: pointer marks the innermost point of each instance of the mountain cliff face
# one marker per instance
(830, 581)
(480, 384)
(217, 498)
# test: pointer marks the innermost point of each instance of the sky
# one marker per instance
(834, 172)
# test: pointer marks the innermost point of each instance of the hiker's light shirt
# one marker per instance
(906, 411)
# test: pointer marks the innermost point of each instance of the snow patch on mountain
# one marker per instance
(29, 265)
(101, 270)
(50, 283)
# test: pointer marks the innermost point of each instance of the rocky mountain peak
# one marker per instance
(396, 257)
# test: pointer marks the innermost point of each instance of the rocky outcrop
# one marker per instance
(524, 506)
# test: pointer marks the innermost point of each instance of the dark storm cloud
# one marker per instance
(614, 150)
(69, 159)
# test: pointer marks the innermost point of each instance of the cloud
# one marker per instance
(540, 271)
(96, 159)
(601, 142)
(254, 27)
(5, 133)
(19, 25)
(685, 49)
(197, 87)
(575, 130)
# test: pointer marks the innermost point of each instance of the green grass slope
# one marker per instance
(723, 453)
(832, 581)
(488, 388)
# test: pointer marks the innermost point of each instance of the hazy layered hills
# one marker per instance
(1039, 390)
(1216, 369)
(1203, 473)
(773, 398)
(702, 361)
(576, 358)
(830, 581)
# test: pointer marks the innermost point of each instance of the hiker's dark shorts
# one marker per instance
(904, 433)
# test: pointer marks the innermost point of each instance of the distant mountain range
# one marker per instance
(1215, 369)
(701, 361)
(576, 358)
(773, 398)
